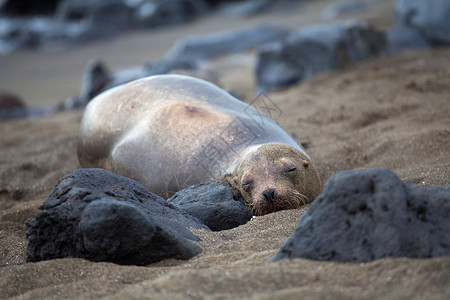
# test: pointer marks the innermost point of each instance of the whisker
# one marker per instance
(300, 198)
(256, 211)
(293, 202)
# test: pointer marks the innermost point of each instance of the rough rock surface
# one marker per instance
(186, 54)
(248, 8)
(429, 18)
(11, 106)
(192, 49)
(98, 215)
(369, 214)
(419, 24)
(151, 14)
(313, 49)
(401, 37)
(10, 101)
(28, 7)
(61, 23)
(338, 8)
(214, 203)
(96, 77)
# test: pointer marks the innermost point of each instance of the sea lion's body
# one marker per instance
(170, 131)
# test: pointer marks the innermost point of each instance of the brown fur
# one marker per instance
(169, 132)
(280, 171)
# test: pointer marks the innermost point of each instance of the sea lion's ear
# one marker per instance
(305, 163)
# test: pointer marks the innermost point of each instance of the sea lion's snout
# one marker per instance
(270, 195)
(274, 199)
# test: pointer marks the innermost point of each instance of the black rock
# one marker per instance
(214, 203)
(362, 41)
(276, 67)
(96, 77)
(167, 65)
(429, 18)
(27, 112)
(193, 49)
(370, 214)
(156, 13)
(57, 24)
(106, 17)
(97, 215)
(71, 22)
(19, 32)
(338, 8)
(402, 37)
(245, 8)
(11, 106)
(11, 37)
(28, 7)
(10, 101)
(186, 54)
(235, 93)
(46, 33)
(313, 49)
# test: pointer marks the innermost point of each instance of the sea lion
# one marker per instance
(171, 131)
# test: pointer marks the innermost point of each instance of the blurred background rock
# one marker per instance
(61, 53)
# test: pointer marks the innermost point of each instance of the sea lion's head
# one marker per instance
(275, 177)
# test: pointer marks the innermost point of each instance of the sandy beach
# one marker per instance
(391, 112)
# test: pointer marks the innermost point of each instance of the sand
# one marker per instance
(391, 112)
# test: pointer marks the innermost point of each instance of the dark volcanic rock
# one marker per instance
(11, 106)
(72, 22)
(45, 33)
(313, 49)
(401, 37)
(370, 214)
(246, 8)
(159, 13)
(186, 54)
(214, 203)
(97, 215)
(104, 17)
(10, 101)
(225, 42)
(28, 7)
(62, 23)
(420, 24)
(96, 77)
(429, 18)
(338, 8)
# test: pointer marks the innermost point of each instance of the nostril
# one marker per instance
(269, 195)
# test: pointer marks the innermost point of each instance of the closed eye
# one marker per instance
(291, 171)
(247, 185)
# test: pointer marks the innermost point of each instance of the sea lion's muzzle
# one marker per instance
(270, 195)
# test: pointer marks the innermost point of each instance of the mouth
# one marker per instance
(263, 207)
